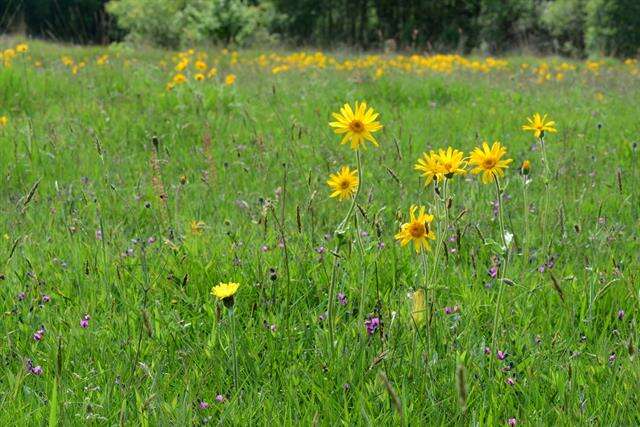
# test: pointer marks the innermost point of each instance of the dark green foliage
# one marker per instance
(613, 27)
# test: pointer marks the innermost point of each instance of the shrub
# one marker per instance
(565, 22)
(612, 27)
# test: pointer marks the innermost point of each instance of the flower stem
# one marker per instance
(334, 270)
(503, 268)
(525, 244)
(235, 351)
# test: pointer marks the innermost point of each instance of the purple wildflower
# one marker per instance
(487, 350)
(342, 298)
(510, 381)
(37, 370)
(612, 357)
(493, 272)
(46, 298)
(203, 404)
(620, 314)
(21, 296)
(372, 324)
(501, 355)
(220, 398)
(84, 323)
(512, 422)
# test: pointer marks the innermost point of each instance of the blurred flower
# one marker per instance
(372, 324)
(538, 125)
(230, 79)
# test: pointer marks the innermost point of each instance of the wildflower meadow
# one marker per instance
(246, 237)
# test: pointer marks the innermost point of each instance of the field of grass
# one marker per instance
(126, 194)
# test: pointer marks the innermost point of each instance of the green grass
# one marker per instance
(77, 157)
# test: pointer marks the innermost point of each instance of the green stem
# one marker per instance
(525, 243)
(235, 351)
(334, 270)
(503, 268)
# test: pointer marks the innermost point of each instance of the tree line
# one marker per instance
(568, 27)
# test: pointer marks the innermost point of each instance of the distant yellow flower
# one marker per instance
(488, 161)
(170, 86)
(230, 79)
(199, 77)
(212, 72)
(225, 292)
(451, 162)
(525, 168)
(197, 227)
(343, 184)
(430, 167)
(538, 125)
(379, 73)
(417, 230)
(22, 48)
(3, 121)
(419, 308)
(201, 65)
(179, 78)
(357, 126)
(182, 65)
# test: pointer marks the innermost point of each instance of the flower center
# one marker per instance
(417, 230)
(356, 126)
(344, 184)
(489, 163)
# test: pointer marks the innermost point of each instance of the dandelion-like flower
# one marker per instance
(417, 230)
(488, 161)
(230, 79)
(430, 167)
(357, 125)
(538, 125)
(451, 162)
(344, 184)
(225, 292)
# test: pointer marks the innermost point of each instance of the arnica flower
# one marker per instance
(419, 308)
(22, 48)
(417, 230)
(225, 292)
(538, 125)
(3, 121)
(179, 78)
(212, 72)
(430, 167)
(199, 77)
(451, 162)
(525, 168)
(357, 125)
(230, 79)
(343, 184)
(200, 65)
(488, 161)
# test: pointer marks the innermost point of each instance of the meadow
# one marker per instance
(135, 180)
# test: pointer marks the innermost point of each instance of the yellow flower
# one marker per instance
(201, 65)
(525, 168)
(225, 291)
(357, 126)
(451, 162)
(212, 72)
(538, 125)
(230, 79)
(22, 48)
(417, 230)
(343, 184)
(170, 86)
(179, 78)
(199, 77)
(197, 226)
(419, 309)
(488, 161)
(182, 65)
(3, 121)
(430, 167)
